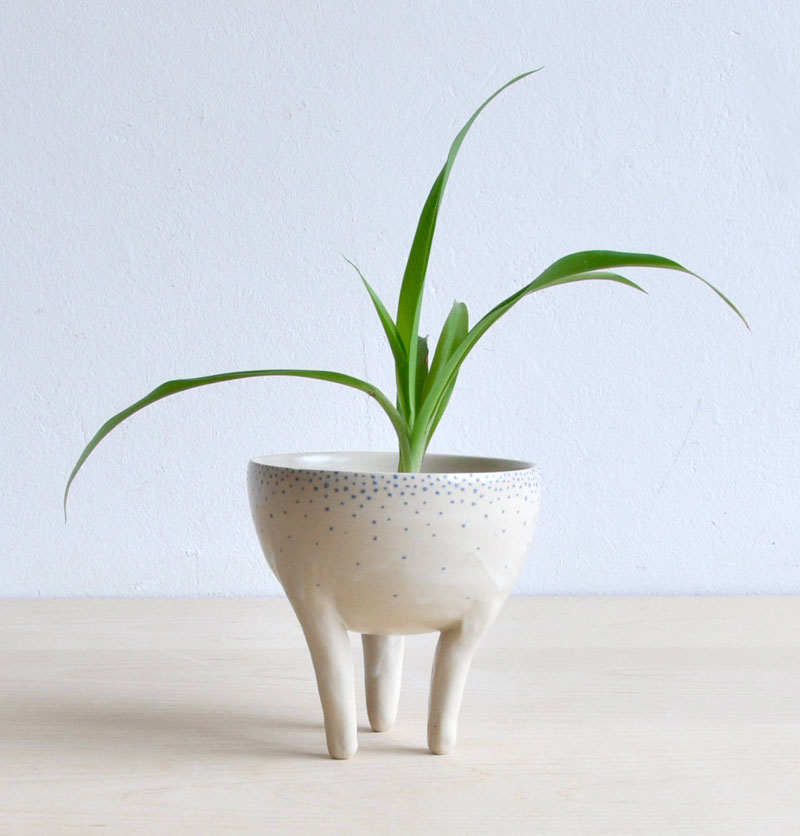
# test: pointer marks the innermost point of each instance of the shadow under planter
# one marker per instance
(357, 546)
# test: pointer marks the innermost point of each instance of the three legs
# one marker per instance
(329, 644)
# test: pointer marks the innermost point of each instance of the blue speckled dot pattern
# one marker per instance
(394, 540)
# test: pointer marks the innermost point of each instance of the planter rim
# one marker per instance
(381, 462)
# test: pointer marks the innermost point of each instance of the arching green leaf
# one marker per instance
(581, 266)
(172, 387)
(395, 343)
(411, 291)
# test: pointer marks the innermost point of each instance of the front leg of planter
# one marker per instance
(333, 665)
(454, 652)
(383, 670)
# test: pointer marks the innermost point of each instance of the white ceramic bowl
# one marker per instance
(358, 546)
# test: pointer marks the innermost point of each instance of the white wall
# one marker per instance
(181, 178)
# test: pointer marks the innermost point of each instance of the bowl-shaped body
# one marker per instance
(395, 553)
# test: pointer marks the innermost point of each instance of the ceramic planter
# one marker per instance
(359, 547)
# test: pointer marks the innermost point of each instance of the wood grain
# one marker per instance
(581, 716)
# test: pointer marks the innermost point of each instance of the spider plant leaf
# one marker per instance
(393, 338)
(454, 330)
(581, 266)
(591, 260)
(172, 387)
(389, 327)
(411, 290)
(422, 367)
(444, 400)
(490, 318)
(442, 383)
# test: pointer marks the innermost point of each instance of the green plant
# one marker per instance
(423, 387)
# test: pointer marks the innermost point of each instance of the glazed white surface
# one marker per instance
(394, 552)
(386, 463)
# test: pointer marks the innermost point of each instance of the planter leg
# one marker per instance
(451, 662)
(383, 669)
(333, 664)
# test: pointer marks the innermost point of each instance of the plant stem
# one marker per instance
(406, 459)
(411, 458)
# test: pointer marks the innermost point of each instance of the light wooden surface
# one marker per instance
(581, 716)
